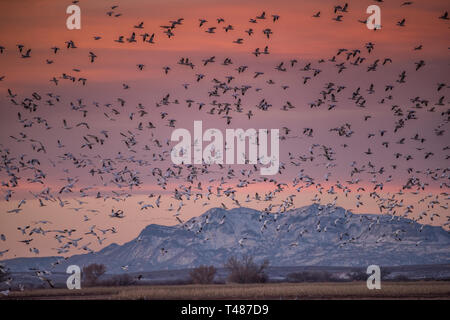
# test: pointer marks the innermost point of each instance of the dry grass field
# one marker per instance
(344, 290)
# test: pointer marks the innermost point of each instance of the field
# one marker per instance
(269, 291)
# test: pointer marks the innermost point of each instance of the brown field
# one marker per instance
(348, 290)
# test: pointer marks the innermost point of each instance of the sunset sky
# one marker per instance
(41, 25)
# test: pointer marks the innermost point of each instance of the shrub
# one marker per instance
(385, 274)
(359, 276)
(4, 274)
(119, 280)
(203, 274)
(310, 276)
(246, 270)
(401, 278)
(92, 272)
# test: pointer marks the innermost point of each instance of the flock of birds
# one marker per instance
(225, 100)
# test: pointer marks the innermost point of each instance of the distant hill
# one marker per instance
(309, 236)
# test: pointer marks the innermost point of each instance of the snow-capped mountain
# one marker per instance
(309, 236)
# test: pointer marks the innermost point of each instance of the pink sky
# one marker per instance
(40, 25)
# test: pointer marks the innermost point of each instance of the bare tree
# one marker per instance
(246, 270)
(119, 280)
(92, 272)
(203, 274)
(4, 274)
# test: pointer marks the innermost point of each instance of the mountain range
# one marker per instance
(314, 235)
